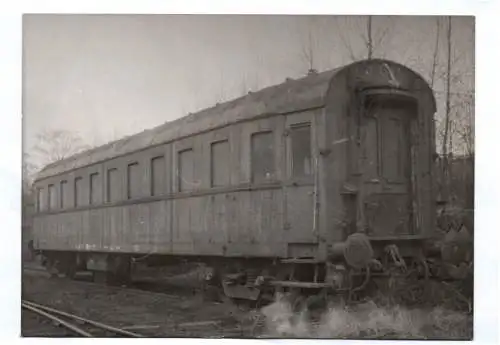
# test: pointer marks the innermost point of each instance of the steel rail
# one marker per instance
(45, 311)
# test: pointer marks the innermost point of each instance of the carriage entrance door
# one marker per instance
(299, 192)
(386, 168)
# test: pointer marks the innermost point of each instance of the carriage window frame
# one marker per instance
(188, 186)
(214, 163)
(77, 196)
(295, 128)
(63, 185)
(109, 185)
(154, 189)
(39, 199)
(133, 187)
(51, 197)
(93, 190)
(256, 175)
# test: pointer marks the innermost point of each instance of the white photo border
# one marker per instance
(487, 172)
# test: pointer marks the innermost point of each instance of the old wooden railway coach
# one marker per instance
(288, 172)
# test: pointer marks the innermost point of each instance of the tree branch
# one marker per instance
(346, 43)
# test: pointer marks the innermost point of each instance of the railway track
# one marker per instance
(163, 313)
(76, 325)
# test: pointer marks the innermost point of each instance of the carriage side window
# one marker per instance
(133, 181)
(95, 189)
(262, 157)
(40, 199)
(63, 194)
(158, 175)
(300, 136)
(113, 185)
(79, 192)
(219, 164)
(186, 170)
(52, 197)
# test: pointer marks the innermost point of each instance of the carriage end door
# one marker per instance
(387, 184)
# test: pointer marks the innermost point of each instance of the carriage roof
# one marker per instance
(289, 96)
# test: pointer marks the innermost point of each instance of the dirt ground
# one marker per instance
(151, 314)
(181, 312)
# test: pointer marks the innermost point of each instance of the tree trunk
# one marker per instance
(370, 40)
(445, 167)
(435, 56)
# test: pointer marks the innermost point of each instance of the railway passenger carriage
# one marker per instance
(283, 177)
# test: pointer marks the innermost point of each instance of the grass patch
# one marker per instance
(367, 321)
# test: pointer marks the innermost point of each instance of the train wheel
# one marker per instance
(122, 270)
(51, 267)
(317, 301)
(211, 293)
(70, 271)
(282, 275)
(68, 267)
(292, 297)
(211, 286)
(100, 277)
(299, 303)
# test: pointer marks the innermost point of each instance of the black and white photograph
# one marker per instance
(248, 176)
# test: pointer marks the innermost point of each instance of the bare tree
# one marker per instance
(221, 92)
(455, 130)
(227, 89)
(249, 85)
(50, 147)
(309, 46)
(346, 42)
(448, 77)
(372, 40)
(369, 38)
(55, 145)
(435, 55)
(29, 169)
(445, 141)
(308, 42)
(465, 128)
(461, 125)
(308, 52)
(457, 97)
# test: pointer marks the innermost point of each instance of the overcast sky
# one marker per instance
(106, 76)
